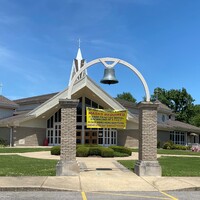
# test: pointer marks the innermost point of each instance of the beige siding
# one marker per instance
(128, 138)
(5, 134)
(23, 136)
(36, 123)
(163, 136)
(131, 125)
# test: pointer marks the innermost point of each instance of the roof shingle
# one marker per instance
(6, 103)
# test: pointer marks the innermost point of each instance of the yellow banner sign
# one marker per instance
(98, 118)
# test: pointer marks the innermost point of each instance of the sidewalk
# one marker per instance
(98, 174)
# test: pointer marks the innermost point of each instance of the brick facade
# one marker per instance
(147, 164)
(68, 164)
(128, 138)
(27, 136)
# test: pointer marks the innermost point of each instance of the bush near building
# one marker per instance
(121, 149)
(107, 152)
(96, 150)
(82, 151)
(171, 145)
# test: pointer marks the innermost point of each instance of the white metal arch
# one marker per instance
(115, 61)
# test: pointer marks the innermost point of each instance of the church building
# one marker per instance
(30, 121)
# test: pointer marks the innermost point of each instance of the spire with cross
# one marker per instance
(79, 43)
(78, 62)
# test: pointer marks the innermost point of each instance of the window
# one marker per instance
(163, 118)
(90, 103)
(79, 111)
(177, 137)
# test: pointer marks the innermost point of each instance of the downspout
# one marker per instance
(11, 136)
(186, 139)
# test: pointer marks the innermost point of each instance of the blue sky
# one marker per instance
(39, 39)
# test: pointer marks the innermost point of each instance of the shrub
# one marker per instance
(118, 154)
(95, 151)
(107, 152)
(121, 149)
(171, 145)
(82, 151)
(168, 145)
(2, 142)
(180, 147)
(55, 150)
(189, 147)
(158, 144)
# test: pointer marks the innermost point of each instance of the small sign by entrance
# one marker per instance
(99, 118)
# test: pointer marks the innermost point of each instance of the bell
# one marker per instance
(109, 76)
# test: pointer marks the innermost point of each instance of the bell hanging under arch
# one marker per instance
(109, 76)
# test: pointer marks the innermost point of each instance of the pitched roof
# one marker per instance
(127, 104)
(35, 99)
(84, 82)
(14, 120)
(172, 125)
(162, 107)
(7, 103)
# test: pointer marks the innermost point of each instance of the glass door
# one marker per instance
(57, 136)
(91, 137)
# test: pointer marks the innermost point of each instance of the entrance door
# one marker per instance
(54, 134)
(57, 133)
(91, 137)
(110, 137)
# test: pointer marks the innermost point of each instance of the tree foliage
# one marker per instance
(126, 96)
(195, 119)
(180, 101)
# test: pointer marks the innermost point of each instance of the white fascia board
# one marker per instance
(54, 101)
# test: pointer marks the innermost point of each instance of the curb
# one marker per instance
(25, 189)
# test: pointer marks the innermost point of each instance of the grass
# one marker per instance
(178, 152)
(172, 166)
(174, 152)
(14, 165)
(129, 164)
(119, 154)
(22, 150)
(180, 166)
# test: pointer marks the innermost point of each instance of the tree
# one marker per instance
(195, 120)
(126, 96)
(180, 101)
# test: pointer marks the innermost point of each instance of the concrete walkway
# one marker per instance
(99, 174)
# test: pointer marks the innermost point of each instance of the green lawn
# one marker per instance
(173, 166)
(22, 150)
(177, 152)
(174, 152)
(14, 165)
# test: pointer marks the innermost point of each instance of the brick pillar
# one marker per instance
(147, 164)
(67, 165)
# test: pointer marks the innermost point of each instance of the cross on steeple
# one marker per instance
(78, 62)
(79, 43)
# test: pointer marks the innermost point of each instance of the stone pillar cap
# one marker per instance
(68, 103)
(144, 104)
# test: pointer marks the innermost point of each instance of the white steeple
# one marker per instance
(78, 62)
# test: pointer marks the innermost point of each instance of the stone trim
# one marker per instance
(68, 103)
